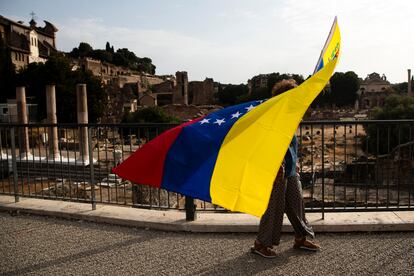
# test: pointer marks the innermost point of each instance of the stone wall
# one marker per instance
(164, 87)
(201, 92)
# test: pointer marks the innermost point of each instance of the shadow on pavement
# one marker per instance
(74, 257)
(250, 264)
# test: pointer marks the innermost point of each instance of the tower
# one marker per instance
(180, 94)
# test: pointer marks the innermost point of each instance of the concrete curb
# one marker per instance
(173, 220)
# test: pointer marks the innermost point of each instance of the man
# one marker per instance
(286, 198)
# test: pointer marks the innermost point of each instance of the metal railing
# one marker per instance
(344, 166)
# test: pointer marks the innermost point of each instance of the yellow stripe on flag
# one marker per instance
(254, 148)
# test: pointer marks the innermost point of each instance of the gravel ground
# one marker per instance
(33, 245)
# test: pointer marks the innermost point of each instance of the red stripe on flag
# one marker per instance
(146, 165)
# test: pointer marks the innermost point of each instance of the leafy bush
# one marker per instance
(146, 115)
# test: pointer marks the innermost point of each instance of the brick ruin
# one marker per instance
(128, 90)
(201, 92)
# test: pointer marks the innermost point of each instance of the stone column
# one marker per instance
(22, 119)
(82, 110)
(409, 91)
(180, 93)
(52, 119)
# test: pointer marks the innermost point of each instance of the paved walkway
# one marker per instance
(206, 222)
(37, 245)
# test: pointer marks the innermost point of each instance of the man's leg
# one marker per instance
(295, 208)
(296, 214)
(270, 227)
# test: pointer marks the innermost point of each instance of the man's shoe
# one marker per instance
(264, 251)
(303, 243)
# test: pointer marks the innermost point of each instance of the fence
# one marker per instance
(344, 166)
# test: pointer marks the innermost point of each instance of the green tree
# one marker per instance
(230, 94)
(387, 137)
(107, 47)
(324, 99)
(344, 88)
(341, 91)
(146, 115)
(153, 114)
(259, 94)
(402, 87)
(83, 50)
(122, 57)
(101, 55)
(7, 73)
(145, 65)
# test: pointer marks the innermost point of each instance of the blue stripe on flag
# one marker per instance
(191, 159)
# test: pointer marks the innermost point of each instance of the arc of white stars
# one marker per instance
(236, 115)
(205, 121)
(219, 121)
(250, 107)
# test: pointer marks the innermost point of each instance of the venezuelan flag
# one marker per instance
(330, 50)
(231, 157)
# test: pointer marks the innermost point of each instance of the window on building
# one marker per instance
(15, 56)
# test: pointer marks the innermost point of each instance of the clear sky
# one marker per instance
(233, 40)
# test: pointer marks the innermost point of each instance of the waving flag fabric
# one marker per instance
(231, 157)
(330, 50)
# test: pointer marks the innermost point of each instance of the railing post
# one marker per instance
(14, 165)
(92, 169)
(190, 209)
(323, 170)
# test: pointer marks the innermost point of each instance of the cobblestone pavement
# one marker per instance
(48, 246)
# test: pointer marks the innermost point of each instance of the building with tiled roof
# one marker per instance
(28, 44)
